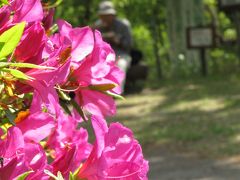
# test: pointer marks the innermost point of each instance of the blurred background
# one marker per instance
(186, 110)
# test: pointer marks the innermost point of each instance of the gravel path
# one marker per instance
(167, 166)
(169, 162)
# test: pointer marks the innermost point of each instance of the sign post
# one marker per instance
(229, 5)
(201, 38)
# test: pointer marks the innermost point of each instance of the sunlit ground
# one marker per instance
(201, 116)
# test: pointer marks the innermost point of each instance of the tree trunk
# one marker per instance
(156, 40)
(181, 14)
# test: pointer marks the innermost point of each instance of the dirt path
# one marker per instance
(167, 166)
(177, 125)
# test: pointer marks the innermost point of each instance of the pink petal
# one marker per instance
(37, 126)
(82, 43)
(100, 129)
(14, 142)
(98, 103)
(64, 27)
(31, 42)
(27, 10)
(4, 15)
(35, 156)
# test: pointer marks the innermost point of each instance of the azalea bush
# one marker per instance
(53, 78)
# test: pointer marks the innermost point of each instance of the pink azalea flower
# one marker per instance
(81, 62)
(37, 126)
(65, 162)
(43, 84)
(98, 68)
(20, 157)
(27, 10)
(115, 155)
(37, 162)
(31, 44)
(68, 145)
(46, 95)
(5, 20)
(57, 56)
(81, 39)
(96, 102)
(5, 13)
(68, 161)
(76, 43)
(51, 77)
(48, 19)
(66, 133)
(92, 69)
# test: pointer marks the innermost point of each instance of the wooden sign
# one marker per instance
(229, 5)
(200, 37)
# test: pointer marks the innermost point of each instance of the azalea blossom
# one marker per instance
(98, 68)
(31, 45)
(42, 132)
(20, 157)
(115, 155)
(65, 134)
(71, 43)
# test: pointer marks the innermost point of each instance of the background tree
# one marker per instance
(159, 31)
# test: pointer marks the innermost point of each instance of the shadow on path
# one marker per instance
(166, 166)
(188, 130)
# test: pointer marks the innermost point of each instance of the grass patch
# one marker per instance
(200, 116)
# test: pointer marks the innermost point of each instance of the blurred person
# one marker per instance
(117, 33)
(137, 73)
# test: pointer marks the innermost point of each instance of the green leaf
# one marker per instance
(71, 176)
(3, 64)
(117, 96)
(17, 74)
(4, 120)
(102, 87)
(24, 175)
(50, 174)
(54, 29)
(10, 117)
(79, 110)
(24, 65)
(10, 39)
(63, 95)
(65, 106)
(58, 177)
(4, 1)
(53, 5)
(28, 65)
(1, 88)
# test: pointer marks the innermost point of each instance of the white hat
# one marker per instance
(106, 8)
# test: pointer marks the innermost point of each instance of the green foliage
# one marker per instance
(3, 2)
(58, 177)
(142, 38)
(10, 38)
(200, 115)
(16, 73)
(24, 65)
(24, 175)
(78, 12)
(73, 176)
(152, 27)
(54, 4)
